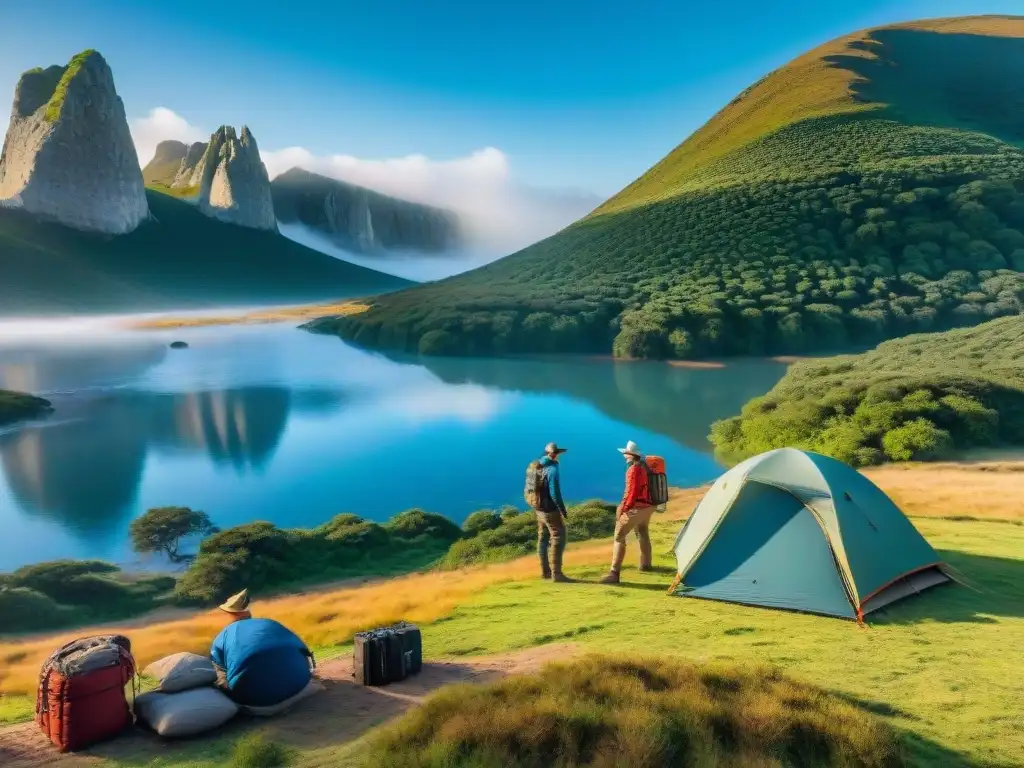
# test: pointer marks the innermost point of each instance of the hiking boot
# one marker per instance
(611, 578)
(561, 578)
(645, 568)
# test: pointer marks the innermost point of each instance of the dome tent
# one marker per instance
(797, 530)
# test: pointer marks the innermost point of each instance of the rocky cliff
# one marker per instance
(230, 179)
(360, 219)
(188, 175)
(69, 156)
(166, 161)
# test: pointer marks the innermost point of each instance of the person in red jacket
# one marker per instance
(634, 514)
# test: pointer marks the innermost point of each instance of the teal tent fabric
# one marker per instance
(770, 551)
(796, 530)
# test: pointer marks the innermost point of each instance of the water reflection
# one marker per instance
(677, 402)
(84, 472)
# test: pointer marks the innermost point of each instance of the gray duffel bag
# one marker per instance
(187, 713)
(182, 671)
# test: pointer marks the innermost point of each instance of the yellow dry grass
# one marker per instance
(992, 491)
(272, 315)
(331, 616)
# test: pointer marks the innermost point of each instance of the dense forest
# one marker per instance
(870, 189)
(918, 398)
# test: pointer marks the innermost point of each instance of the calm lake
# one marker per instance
(273, 423)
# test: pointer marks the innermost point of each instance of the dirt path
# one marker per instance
(339, 714)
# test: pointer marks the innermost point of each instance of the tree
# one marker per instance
(161, 529)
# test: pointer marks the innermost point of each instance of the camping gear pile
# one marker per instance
(186, 701)
(81, 698)
(388, 654)
(801, 531)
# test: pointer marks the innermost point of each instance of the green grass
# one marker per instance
(922, 397)
(16, 406)
(639, 712)
(16, 709)
(866, 190)
(180, 259)
(56, 102)
(182, 193)
(940, 668)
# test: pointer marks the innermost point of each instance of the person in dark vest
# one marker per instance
(634, 514)
(259, 662)
(551, 521)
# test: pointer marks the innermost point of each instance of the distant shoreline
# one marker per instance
(251, 317)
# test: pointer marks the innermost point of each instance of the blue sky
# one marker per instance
(575, 93)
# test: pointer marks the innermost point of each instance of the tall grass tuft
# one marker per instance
(646, 713)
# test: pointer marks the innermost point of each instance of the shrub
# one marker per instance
(26, 610)
(481, 520)
(414, 523)
(256, 751)
(646, 713)
(517, 535)
(918, 440)
(914, 398)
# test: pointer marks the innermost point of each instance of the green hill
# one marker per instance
(181, 259)
(870, 188)
(920, 397)
(165, 163)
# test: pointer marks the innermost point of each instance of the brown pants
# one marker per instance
(550, 533)
(639, 522)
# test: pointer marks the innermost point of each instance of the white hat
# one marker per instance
(631, 449)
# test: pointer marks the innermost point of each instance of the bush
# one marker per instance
(481, 520)
(917, 440)
(915, 398)
(517, 535)
(414, 523)
(647, 713)
(255, 751)
(25, 610)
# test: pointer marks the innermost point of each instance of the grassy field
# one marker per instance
(921, 397)
(866, 190)
(938, 668)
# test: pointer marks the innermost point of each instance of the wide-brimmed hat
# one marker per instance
(553, 448)
(631, 449)
(236, 603)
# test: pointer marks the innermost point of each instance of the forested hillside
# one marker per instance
(871, 188)
(917, 398)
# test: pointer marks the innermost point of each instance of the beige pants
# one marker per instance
(639, 522)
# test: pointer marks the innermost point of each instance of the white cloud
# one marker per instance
(162, 124)
(500, 214)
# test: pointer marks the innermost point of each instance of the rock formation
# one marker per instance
(163, 168)
(187, 176)
(360, 219)
(69, 156)
(230, 179)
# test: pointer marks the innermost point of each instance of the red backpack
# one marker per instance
(81, 698)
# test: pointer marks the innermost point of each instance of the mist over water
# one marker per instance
(411, 265)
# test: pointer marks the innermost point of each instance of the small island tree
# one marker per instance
(161, 529)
